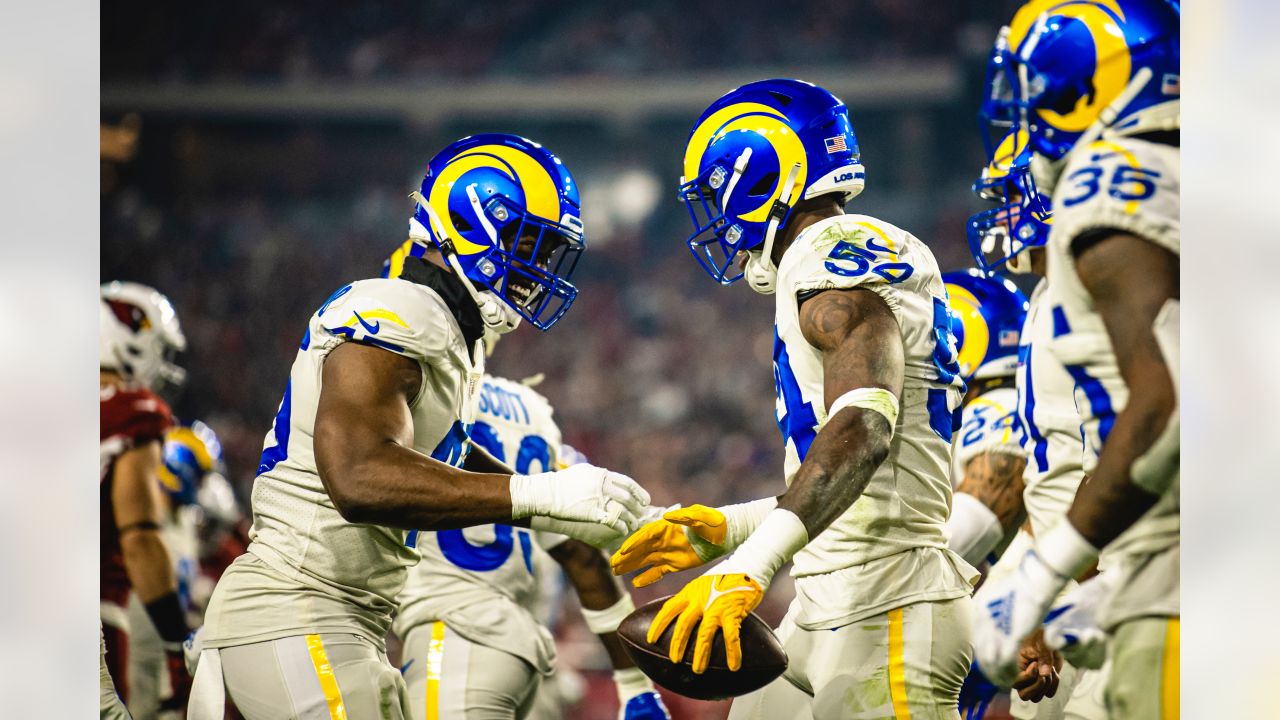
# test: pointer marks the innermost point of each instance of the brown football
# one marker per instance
(763, 658)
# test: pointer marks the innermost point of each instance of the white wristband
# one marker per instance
(974, 530)
(1065, 550)
(775, 541)
(630, 683)
(607, 620)
(524, 496)
(876, 400)
(740, 521)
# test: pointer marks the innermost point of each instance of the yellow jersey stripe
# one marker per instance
(435, 662)
(1170, 696)
(1131, 206)
(328, 683)
(379, 314)
(888, 242)
(897, 668)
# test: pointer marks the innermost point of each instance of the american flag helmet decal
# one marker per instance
(836, 144)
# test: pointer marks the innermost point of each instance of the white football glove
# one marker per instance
(579, 494)
(1072, 626)
(1009, 609)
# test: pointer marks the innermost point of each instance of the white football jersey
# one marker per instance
(482, 581)
(988, 424)
(1047, 411)
(890, 547)
(1131, 185)
(307, 569)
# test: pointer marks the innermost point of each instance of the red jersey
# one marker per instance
(130, 417)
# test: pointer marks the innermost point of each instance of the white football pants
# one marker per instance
(451, 678)
(906, 663)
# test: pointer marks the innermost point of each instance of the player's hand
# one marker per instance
(1072, 626)
(645, 706)
(721, 602)
(581, 493)
(1008, 610)
(1038, 667)
(667, 545)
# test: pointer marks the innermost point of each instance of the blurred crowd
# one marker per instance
(296, 41)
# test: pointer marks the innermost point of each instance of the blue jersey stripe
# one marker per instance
(1099, 400)
(1040, 448)
(273, 455)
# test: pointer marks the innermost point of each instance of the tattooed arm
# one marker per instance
(861, 346)
(987, 507)
(995, 480)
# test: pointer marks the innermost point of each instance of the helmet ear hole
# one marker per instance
(764, 186)
(460, 222)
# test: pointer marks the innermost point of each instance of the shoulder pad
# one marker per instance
(135, 413)
(1127, 184)
(406, 318)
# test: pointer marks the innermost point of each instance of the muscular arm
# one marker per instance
(861, 347)
(480, 461)
(365, 455)
(588, 571)
(1130, 280)
(138, 508)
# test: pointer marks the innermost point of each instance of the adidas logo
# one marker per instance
(1001, 612)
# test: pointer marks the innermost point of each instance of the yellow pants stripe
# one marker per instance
(1170, 697)
(897, 668)
(328, 683)
(435, 662)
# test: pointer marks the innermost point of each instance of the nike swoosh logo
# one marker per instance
(371, 329)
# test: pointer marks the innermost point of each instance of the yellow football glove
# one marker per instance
(720, 602)
(665, 546)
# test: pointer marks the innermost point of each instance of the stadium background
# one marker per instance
(257, 156)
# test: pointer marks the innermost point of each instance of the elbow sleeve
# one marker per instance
(974, 530)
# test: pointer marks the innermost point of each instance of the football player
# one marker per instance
(1011, 237)
(1095, 85)
(139, 336)
(370, 444)
(191, 453)
(988, 459)
(473, 645)
(867, 386)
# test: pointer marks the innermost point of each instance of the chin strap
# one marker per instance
(760, 271)
(497, 315)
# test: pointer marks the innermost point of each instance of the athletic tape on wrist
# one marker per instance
(774, 542)
(607, 620)
(1066, 551)
(874, 399)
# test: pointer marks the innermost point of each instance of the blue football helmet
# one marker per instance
(986, 318)
(1065, 69)
(189, 454)
(1022, 216)
(751, 157)
(506, 215)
